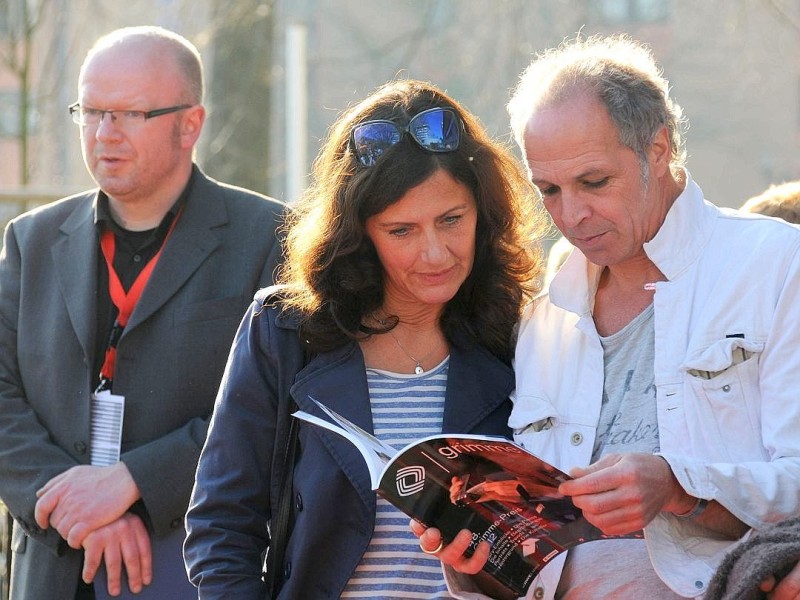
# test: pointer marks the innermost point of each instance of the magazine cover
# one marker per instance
(498, 490)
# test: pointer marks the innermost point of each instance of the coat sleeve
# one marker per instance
(28, 456)
(230, 505)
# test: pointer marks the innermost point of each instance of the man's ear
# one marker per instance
(192, 125)
(660, 153)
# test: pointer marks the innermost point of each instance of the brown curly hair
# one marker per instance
(332, 275)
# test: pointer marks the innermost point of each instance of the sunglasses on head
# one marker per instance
(434, 130)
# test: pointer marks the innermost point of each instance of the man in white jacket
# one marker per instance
(662, 368)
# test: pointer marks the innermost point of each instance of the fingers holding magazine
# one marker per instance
(452, 554)
(493, 509)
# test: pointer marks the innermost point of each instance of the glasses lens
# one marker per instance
(373, 138)
(436, 130)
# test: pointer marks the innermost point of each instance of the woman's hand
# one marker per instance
(452, 554)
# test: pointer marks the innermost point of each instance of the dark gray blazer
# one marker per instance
(169, 360)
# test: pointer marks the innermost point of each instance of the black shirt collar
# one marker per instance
(103, 218)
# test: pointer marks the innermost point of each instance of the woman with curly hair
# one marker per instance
(408, 262)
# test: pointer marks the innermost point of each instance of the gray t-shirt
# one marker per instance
(621, 569)
(628, 421)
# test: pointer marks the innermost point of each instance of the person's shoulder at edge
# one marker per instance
(245, 194)
(52, 216)
(771, 229)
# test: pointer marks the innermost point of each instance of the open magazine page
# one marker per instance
(497, 490)
(383, 450)
(489, 485)
(376, 454)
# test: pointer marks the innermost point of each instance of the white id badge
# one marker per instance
(107, 411)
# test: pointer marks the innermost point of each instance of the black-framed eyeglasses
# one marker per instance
(434, 130)
(86, 115)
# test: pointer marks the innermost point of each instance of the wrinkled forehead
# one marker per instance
(570, 139)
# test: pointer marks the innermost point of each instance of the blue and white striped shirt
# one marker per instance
(405, 408)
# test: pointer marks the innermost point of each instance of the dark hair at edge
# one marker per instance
(334, 274)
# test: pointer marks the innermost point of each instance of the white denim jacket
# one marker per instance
(727, 372)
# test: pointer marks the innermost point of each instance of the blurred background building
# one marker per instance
(280, 71)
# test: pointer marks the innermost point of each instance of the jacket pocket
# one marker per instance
(534, 413)
(725, 400)
(540, 429)
(712, 360)
(216, 308)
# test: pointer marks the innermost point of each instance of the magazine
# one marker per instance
(489, 485)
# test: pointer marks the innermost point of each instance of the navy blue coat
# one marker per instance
(334, 505)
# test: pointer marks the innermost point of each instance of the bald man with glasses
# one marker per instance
(117, 310)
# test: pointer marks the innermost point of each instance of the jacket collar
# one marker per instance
(73, 253)
(684, 233)
(477, 384)
(677, 244)
(192, 241)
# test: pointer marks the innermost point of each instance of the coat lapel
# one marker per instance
(190, 244)
(477, 384)
(340, 383)
(73, 254)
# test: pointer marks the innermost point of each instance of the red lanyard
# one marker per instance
(125, 302)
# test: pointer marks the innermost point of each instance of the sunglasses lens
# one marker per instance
(372, 139)
(436, 130)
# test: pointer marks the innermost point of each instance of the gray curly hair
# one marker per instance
(621, 73)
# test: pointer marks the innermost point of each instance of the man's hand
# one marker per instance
(788, 588)
(122, 542)
(83, 499)
(621, 493)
